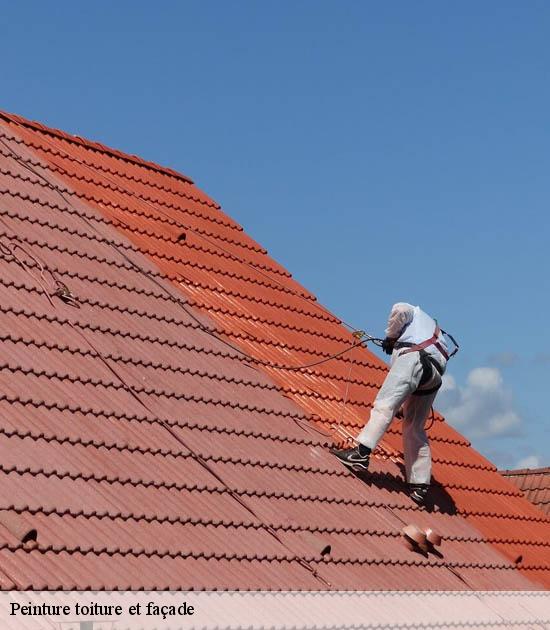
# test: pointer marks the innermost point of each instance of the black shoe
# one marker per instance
(356, 458)
(419, 492)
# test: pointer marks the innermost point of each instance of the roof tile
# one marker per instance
(534, 483)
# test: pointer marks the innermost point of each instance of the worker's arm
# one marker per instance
(401, 315)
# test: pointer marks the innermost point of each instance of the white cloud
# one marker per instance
(531, 461)
(483, 407)
(485, 378)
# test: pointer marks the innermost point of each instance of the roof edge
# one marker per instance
(95, 146)
(525, 471)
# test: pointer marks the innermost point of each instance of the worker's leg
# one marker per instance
(401, 381)
(416, 446)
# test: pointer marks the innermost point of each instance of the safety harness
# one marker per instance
(427, 361)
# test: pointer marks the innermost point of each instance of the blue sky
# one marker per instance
(382, 151)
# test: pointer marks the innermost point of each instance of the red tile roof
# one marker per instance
(148, 452)
(534, 483)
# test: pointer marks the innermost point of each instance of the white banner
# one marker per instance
(34, 610)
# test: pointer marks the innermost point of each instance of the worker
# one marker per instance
(419, 356)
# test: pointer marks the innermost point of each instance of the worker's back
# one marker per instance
(422, 327)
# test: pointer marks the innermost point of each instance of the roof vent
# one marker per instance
(433, 537)
(422, 541)
(18, 526)
(415, 539)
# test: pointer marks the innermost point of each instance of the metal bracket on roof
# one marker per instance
(63, 292)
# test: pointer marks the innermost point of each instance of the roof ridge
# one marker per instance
(94, 145)
(519, 472)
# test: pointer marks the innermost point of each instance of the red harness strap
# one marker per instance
(432, 341)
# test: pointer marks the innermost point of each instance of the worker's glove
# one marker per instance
(387, 345)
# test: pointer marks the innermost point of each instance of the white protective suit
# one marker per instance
(407, 324)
